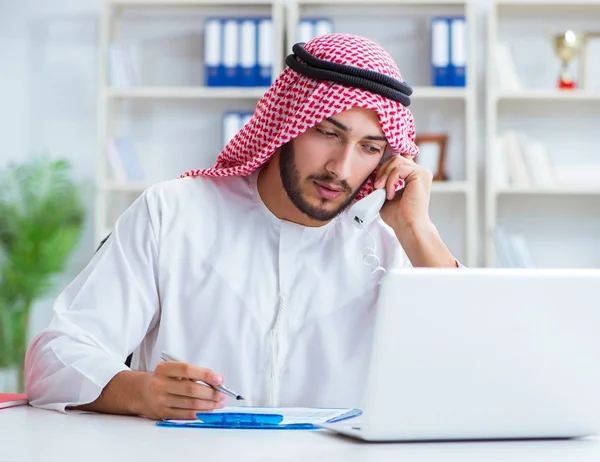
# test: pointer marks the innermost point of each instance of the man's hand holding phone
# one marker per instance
(407, 212)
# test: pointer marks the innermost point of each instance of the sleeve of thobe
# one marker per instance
(101, 317)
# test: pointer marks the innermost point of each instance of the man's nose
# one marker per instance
(340, 165)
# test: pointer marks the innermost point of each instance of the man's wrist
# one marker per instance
(423, 244)
(411, 233)
(137, 392)
(125, 394)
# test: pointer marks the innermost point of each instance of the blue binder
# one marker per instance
(213, 63)
(440, 52)
(305, 30)
(323, 26)
(230, 125)
(458, 51)
(250, 421)
(264, 52)
(449, 51)
(309, 28)
(231, 52)
(247, 63)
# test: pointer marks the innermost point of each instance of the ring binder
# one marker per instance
(278, 419)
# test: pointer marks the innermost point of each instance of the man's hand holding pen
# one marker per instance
(172, 391)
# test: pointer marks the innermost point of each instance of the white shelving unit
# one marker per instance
(535, 95)
(450, 110)
(146, 18)
(402, 28)
(199, 92)
(559, 221)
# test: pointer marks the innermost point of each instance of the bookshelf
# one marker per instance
(555, 96)
(451, 110)
(145, 109)
(170, 84)
(191, 92)
(545, 189)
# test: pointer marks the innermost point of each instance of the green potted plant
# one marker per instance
(41, 219)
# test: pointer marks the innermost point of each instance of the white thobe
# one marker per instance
(200, 268)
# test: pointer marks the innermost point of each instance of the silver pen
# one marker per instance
(221, 388)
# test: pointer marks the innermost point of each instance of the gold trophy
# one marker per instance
(567, 46)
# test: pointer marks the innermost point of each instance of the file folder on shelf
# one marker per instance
(232, 123)
(458, 51)
(212, 52)
(305, 31)
(449, 51)
(264, 52)
(323, 26)
(440, 52)
(238, 51)
(309, 28)
(231, 52)
(248, 52)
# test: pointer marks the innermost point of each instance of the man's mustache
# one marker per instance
(328, 179)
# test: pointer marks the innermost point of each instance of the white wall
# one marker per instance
(47, 95)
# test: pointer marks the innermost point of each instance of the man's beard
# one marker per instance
(290, 177)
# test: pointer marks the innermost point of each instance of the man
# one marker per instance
(251, 271)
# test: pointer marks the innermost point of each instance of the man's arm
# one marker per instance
(424, 246)
(161, 394)
(407, 212)
(124, 394)
(102, 315)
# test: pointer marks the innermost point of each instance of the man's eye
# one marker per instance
(325, 133)
(373, 149)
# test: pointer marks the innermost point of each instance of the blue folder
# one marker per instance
(249, 421)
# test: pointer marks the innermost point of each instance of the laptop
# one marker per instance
(483, 353)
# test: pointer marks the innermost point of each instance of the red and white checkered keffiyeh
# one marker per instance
(294, 103)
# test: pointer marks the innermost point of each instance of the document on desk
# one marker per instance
(251, 417)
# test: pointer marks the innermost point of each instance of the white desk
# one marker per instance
(28, 434)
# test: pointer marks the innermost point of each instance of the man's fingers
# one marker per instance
(188, 371)
(198, 405)
(384, 170)
(408, 157)
(391, 181)
(191, 389)
(394, 162)
(398, 172)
